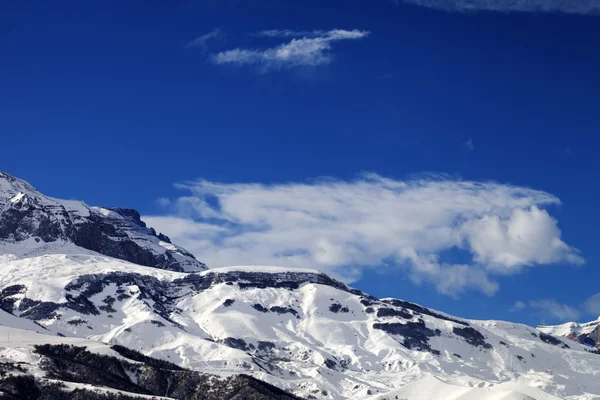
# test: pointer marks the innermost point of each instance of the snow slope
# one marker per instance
(297, 329)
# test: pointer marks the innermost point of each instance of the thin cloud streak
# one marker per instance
(584, 7)
(302, 50)
(283, 33)
(201, 42)
(372, 222)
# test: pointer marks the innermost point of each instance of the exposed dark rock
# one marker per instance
(260, 308)
(9, 295)
(283, 310)
(331, 364)
(239, 344)
(472, 336)
(37, 310)
(228, 303)
(266, 346)
(338, 308)
(367, 302)
(550, 339)
(416, 334)
(77, 322)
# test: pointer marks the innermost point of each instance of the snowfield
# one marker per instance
(296, 329)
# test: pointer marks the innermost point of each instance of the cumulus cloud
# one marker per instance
(592, 305)
(201, 42)
(527, 237)
(342, 227)
(554, 310)
(304, 49)
(560, 6)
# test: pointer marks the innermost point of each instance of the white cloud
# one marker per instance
(554, 310)
(337, 226)
(527, 237)
(305, 49)
(201, 42)
(592, 305)
(563, 6)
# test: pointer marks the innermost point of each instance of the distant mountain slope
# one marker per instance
(33, 219)
(587, 334)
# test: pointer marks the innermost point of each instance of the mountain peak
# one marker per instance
(25, 213)
(586, 333)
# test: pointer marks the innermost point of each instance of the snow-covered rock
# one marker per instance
(27, 214)
(39, 366)
(587, 334)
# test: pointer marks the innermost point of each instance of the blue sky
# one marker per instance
(115, 102)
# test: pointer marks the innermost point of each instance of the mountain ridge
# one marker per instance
(116, 232)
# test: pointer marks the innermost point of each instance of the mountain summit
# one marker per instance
(29, 220)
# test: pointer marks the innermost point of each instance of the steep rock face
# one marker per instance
(26, 214)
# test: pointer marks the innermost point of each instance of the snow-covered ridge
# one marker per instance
(587, 333)
(27, 214)
(299, 330)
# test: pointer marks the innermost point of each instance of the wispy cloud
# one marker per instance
(279, 33)
(304, 49)
(338, 226)
(201, 42)
(561, 6)
(469, 145)
(551, 309)
(592, 305)
(518, 306)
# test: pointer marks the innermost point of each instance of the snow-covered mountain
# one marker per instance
(587, 334)
(298, 330)
(26, 215)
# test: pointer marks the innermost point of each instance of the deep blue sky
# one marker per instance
(101, 101)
